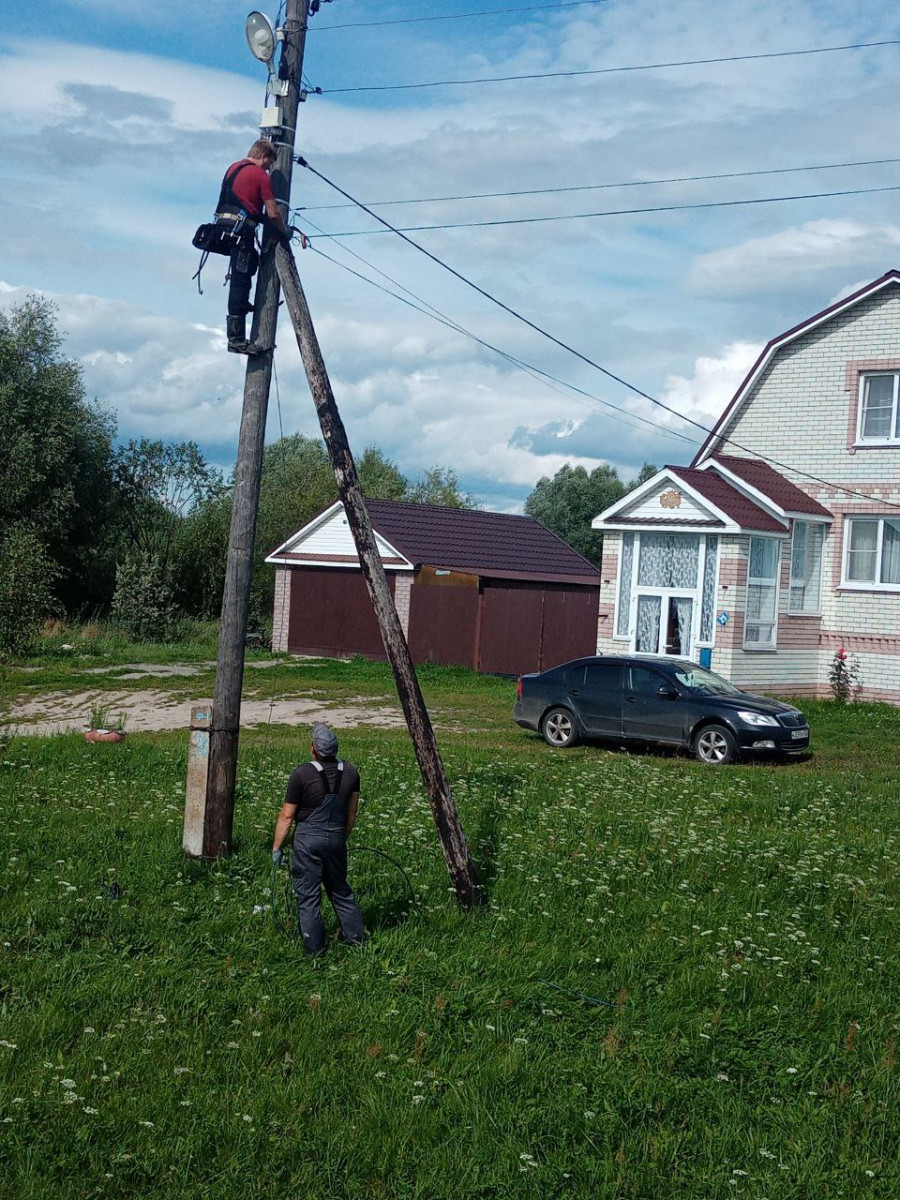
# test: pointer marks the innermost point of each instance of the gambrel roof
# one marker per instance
(716, 438)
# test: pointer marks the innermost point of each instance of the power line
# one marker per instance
(616, 212)
(596, 187)
(584, 357)
(485, 12)
(429, 310)
(688, 62)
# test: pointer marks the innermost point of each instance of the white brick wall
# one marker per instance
(402, 589)
(281, 609)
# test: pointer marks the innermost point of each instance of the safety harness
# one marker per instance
(232, 225)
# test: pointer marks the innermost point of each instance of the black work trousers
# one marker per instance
(244, 262)
(320, 857)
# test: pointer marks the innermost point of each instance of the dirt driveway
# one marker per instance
(152, 708)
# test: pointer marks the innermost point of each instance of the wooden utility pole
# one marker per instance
(223, 742)
(453, 839)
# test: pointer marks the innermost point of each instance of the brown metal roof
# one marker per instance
(772, 484)
(483, 543)
(729, 500)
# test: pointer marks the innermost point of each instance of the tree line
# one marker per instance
(138, 531)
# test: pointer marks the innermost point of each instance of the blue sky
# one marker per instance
(136, 110)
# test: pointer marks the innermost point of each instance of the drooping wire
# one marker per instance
(584, 357)
(486, 12)
(596, 187)
(660, 66)
(536, 373)
(617, 212)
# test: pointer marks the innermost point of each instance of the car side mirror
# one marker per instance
(668, 693)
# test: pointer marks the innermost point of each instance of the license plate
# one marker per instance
(796, 734)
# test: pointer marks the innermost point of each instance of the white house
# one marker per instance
(780, 544)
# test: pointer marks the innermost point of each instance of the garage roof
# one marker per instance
(482, 543)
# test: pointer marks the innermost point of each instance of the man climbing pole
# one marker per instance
(245, 201)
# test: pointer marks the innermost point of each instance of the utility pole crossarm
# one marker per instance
(453, 839)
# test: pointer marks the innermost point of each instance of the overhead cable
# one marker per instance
(617, 212)
(584, 357)
(596, 187)
(485, 12)
(687, 62)
(551, 381)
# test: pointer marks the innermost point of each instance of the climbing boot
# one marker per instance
(236, 328)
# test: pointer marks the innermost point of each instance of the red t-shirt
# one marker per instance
(252, 187)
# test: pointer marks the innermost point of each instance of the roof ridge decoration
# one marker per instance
(716, 435)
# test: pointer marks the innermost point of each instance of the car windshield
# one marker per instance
(706, 682)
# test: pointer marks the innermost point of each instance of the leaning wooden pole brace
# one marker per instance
(453, 839)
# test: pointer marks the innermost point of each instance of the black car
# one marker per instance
(667, 701)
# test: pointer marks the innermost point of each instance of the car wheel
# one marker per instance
(715, 744)
(558, 728)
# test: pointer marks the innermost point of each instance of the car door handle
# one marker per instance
(631, 699)
(574, 692)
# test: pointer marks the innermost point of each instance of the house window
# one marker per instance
(669, 560)
(872, 556)
(708, 602)
(879, 418)
(762, 594)
(806, 567)
(626, 569)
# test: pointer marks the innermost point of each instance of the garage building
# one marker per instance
(497, 593)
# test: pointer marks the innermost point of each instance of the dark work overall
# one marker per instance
(320, 857)
(244, 257)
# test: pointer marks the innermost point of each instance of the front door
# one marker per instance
(664, 624)
(652, 707)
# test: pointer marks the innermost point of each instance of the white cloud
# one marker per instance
(703, 396)
(804, 250)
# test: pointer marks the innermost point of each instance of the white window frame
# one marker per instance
(695, 593)
(861, 585)
(635, 553)
(816, 529)
(756, 580)
(893, 438)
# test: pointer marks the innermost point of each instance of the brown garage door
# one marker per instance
(510, 630)
(332, 615)
(443, 624)
(570, 626)
(532, 629)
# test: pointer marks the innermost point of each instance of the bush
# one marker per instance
(143, 604)
(843, 676)
(26, 582)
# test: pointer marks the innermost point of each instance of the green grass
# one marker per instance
(739, 925)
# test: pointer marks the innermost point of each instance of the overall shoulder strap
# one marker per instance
(226, 193)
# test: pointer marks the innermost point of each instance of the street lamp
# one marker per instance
(261, 37)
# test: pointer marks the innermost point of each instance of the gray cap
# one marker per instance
(324, 741)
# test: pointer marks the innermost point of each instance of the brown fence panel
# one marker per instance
(332, 615)
(570, 625)
(510, 631)
(443, 624)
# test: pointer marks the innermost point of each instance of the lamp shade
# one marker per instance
(260, 36)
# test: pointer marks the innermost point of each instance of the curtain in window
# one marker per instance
(863, 552)
(890, 553)
(762, 590)
(669, 560)
(708, 605)
(626, 568)
(648, 614)
(684, 613)
(806, 566)
(878, 404)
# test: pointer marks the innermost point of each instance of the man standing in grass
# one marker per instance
(321, 801)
